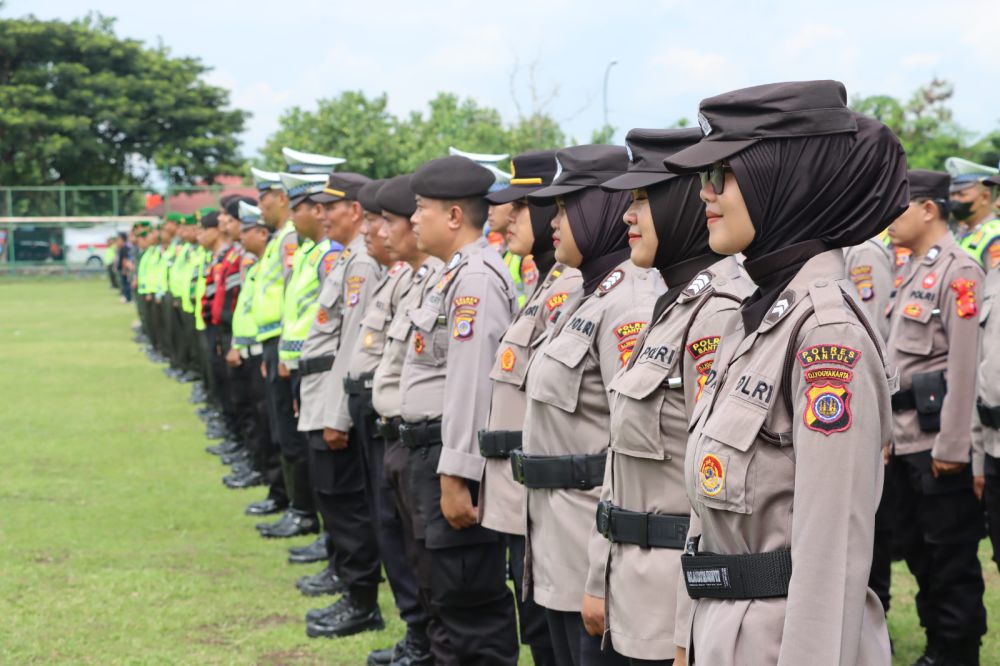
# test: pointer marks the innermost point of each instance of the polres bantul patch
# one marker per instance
(824, 353)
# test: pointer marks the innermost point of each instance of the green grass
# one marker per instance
(118, 543)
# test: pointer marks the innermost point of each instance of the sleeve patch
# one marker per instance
(861, 274)
(465, 319)
(828, 408)
(326, 264)
(630, 329)
(965, 297)
(354, 290)
(828, 374)
(837, 354)
(468, 301)
(703, 346)
(556, 300)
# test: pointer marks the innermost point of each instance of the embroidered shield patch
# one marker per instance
(507, 360)
(418, 343)
(828, 409)
(712, 474)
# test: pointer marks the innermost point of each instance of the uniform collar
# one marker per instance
(818, 269)
(946, 243)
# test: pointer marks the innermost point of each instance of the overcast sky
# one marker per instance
(670, 53)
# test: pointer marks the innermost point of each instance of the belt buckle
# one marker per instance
(406, 435)
(517, 466)
(604, 519)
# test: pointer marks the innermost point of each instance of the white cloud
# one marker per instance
(920, 59)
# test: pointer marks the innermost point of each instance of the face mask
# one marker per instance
(961, 210)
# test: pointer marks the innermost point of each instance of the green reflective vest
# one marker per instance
(513, 262)
(199, 289)
(190, 277)
(982, 245)
(162, 270)
(110, 255)
(270, 286)
(301, 299)
(153, 260)
(244, 326)
(141, 271)
(179, 270)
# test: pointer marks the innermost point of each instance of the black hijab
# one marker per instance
(542, 250)
(595, 217)
(807, 195)
(682, 233)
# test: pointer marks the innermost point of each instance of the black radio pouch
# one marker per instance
(929, 389)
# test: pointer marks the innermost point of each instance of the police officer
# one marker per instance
(784, 467)
(642, 519)
(335, 458)
(986, 422)
(933, 341)
(566, 425)
(871, 266)
(454, 337)
(501, 499)
(972, 207)
(425, 641)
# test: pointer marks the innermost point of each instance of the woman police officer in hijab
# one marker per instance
(784, 468)
(643, 517)
(501, 499)
(565, 437)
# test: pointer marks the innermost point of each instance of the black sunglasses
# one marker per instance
(715, 174)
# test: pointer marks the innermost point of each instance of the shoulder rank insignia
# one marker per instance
(455, 260)
(784, 303)
(698, 284)
(613, 279)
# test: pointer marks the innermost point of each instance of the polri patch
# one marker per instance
(828, 408)
(837, 354)
(703, 346)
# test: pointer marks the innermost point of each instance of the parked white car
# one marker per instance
(86, 246)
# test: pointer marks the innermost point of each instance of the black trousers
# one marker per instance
(531, 620)
(112, 276)
(266, 456)
(167, 321)
(880, 578)
(388, 526)
(126, 286)
(573, 646)
(396, 469)
(218, 341)
(178, 339)
(468, 577)
(943, 524)
(155, 325)
(991, 499)
(240, 391)
(284, 425)
(338, 482)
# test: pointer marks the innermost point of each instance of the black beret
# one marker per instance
(210, 220)
(583, 166)
(736, 120)
(530, 173)
(341, 186)
(397, 197)
(232, 204)
(926, 184)
(452, 177)
(367, 193)
(992, 181)
(647, 148)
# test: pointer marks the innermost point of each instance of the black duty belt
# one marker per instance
(362, 384)
(420, 435)
(646, 530)
(750, 576)
(498, 443)
(903, 401)
(581, 472)
(388, 429)
(988, 416)
(310, 366)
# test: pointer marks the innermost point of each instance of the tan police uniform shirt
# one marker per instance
(363, 357)
(986, 440)
(934, 326)
(385, 385)
(568, 413)
(455, 335)
(871, 267)
(652, 402)
(342, 298)
(501, 499)
(763, 477)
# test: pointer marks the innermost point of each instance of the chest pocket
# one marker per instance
(640, 394)
(724, 455)
(915, 332)
(511, 363)
(557, 371)
(429, 339)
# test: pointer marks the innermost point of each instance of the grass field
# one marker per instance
(118, 543)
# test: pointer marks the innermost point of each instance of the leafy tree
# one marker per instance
(80, 105)
(926, 127)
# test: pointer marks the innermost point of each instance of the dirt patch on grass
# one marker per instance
(293, 657)
(273, 621)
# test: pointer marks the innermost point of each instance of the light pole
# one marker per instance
(607, 73)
